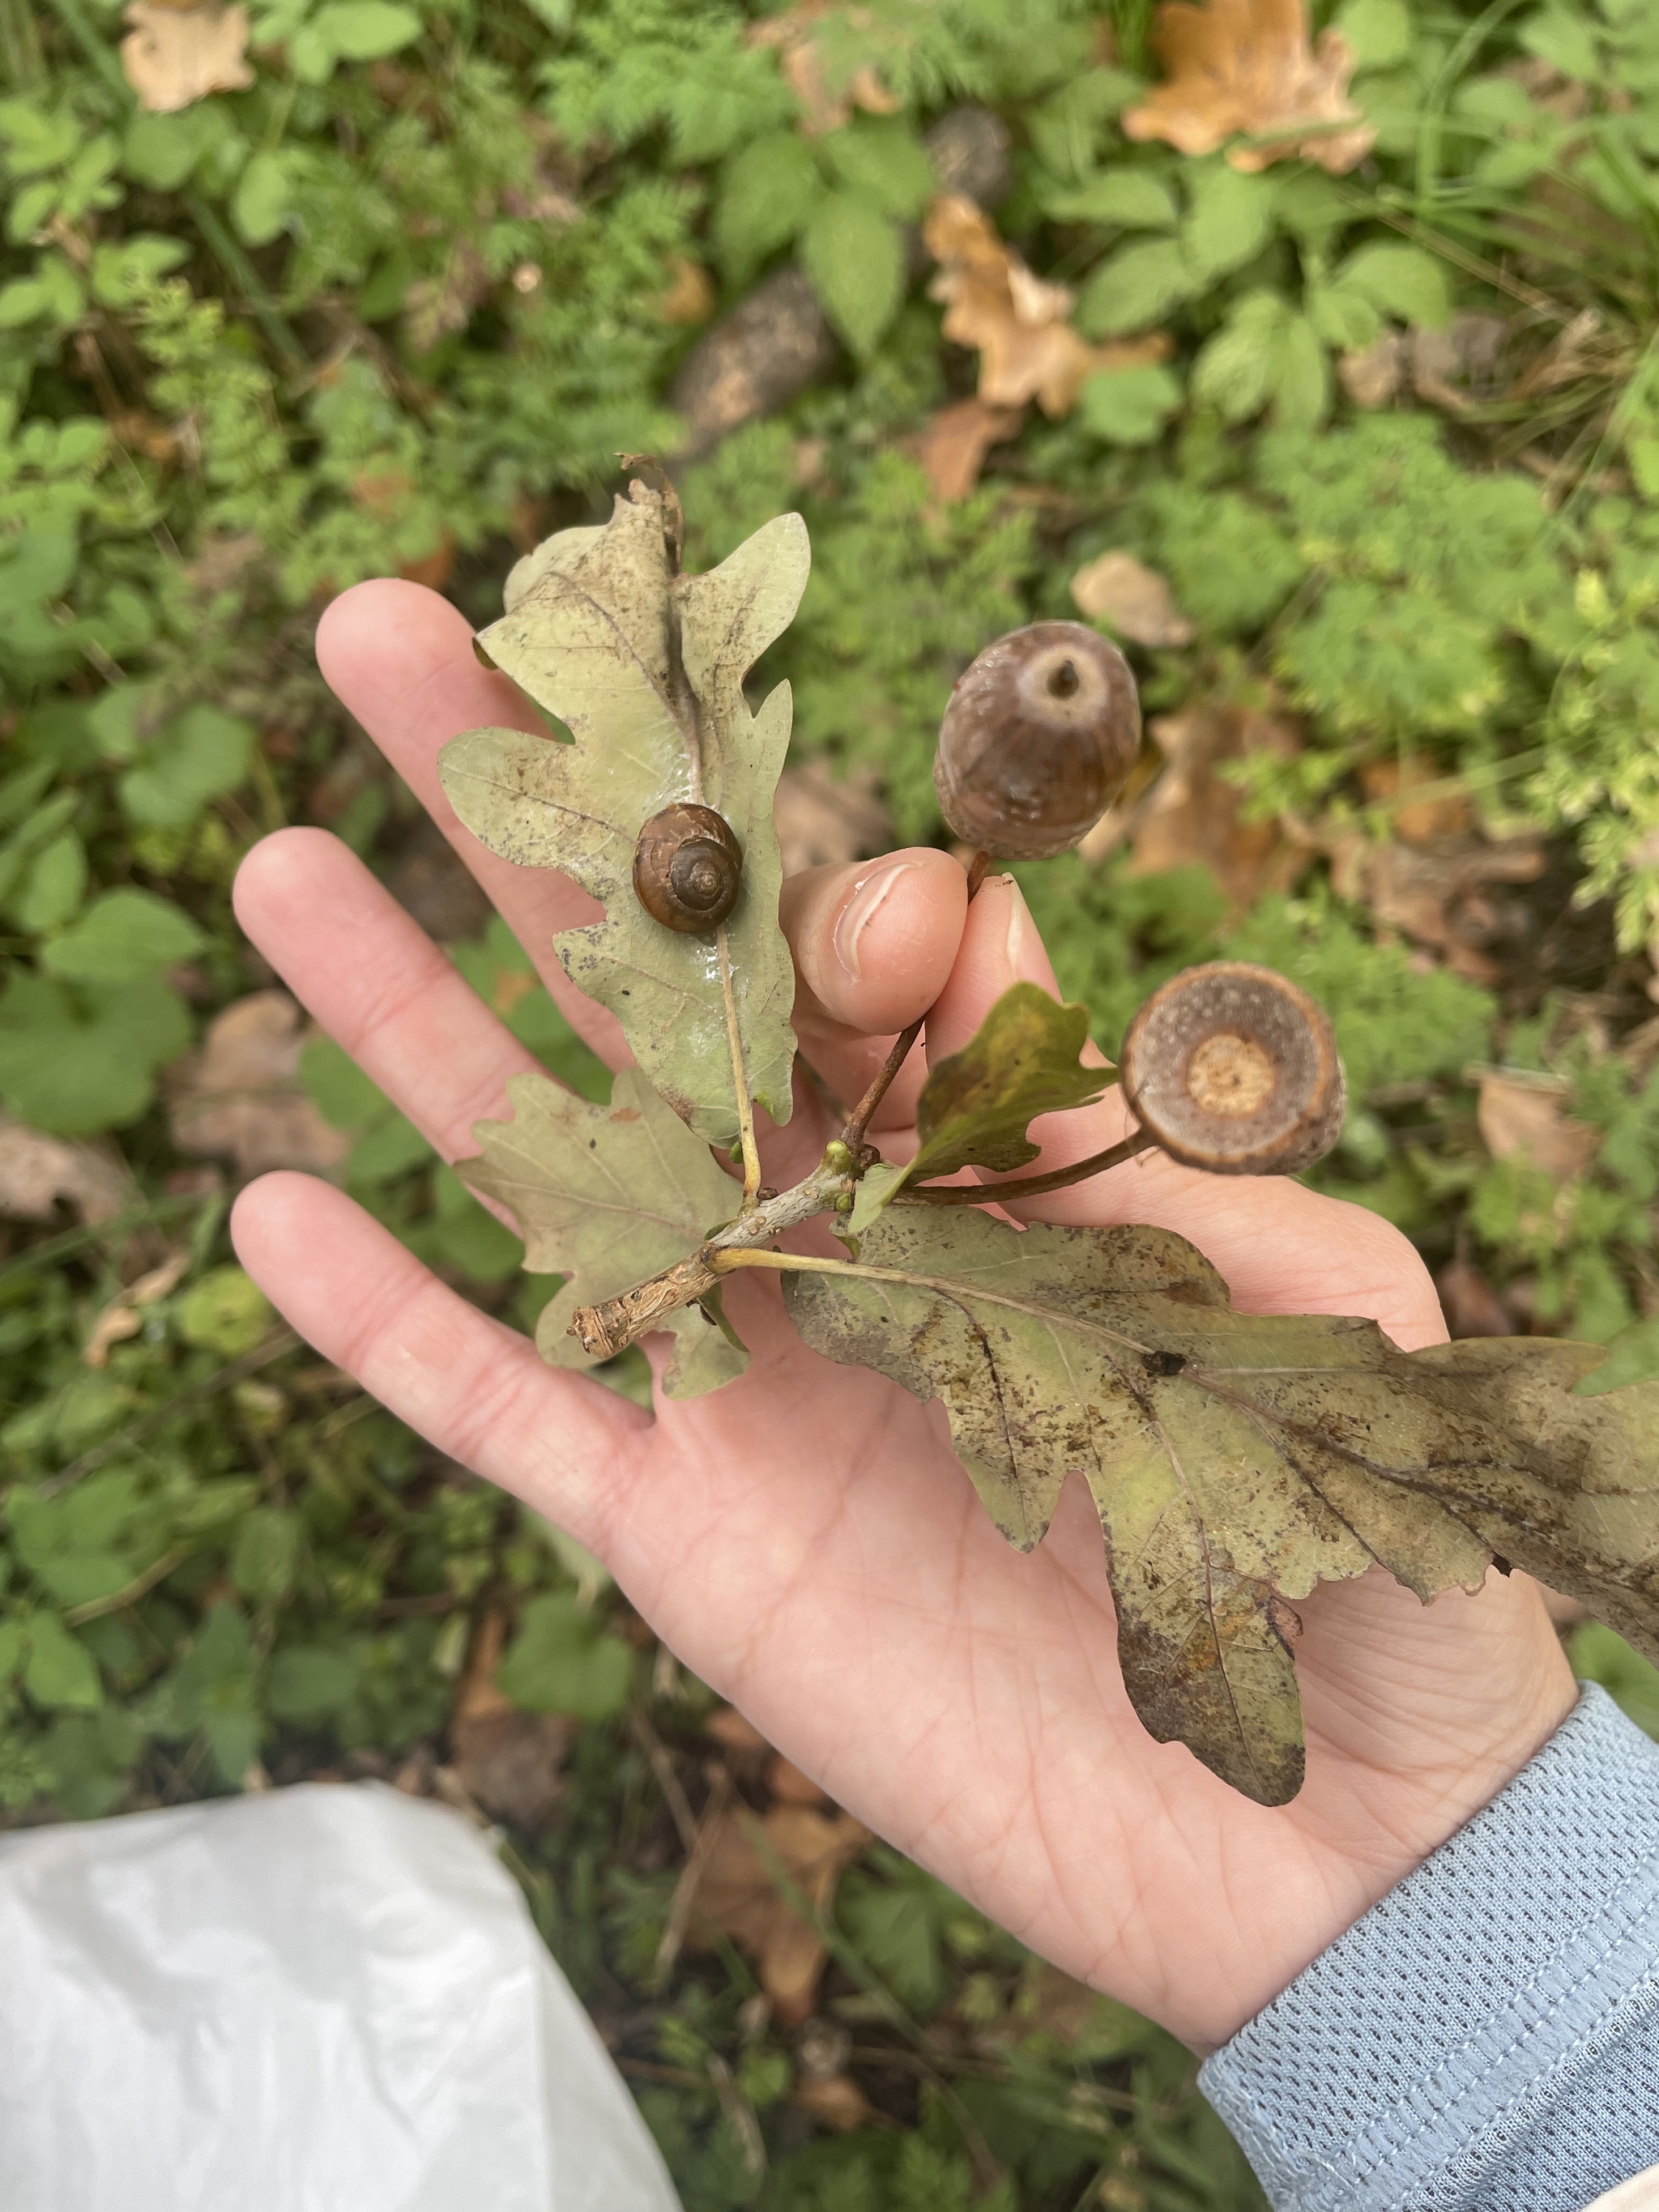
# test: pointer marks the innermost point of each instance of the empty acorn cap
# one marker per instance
(1231, 1068)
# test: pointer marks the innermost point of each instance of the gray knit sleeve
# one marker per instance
(1486, 2038)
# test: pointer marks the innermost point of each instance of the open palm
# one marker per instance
(804, 1538)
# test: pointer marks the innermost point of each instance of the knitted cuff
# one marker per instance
(1486, 2038)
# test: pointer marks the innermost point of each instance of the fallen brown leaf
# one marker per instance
(240, 1094)
(952, 447)
(1424, 804)
(1439, 894)
(690, 297)
(511, 1762)
(825, 103)
(837, 2101)
(124, 1315)
(1522, 1117)
(734, 1731)
(787, 1785)
(37, 1170)
(1244, 68)
(739, 1896)
(1135, 601)
(1017, 322)
(1191, 816)
(820, 819)
(1451, 368)
(174, 56)
(1469, 1303)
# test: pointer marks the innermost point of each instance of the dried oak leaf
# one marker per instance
(646, 666)
(1438, 893)
(510, 1762)
(123, 1318)
(1469, 1303)
(1245, 67)
(739, 1892)
(817, 43)
(38, 1170)
(1192, 817)
(240, 1094)
(954, 443)
(975, 1107)
(1238, 1461)
(174, 56)
(821, 818)
(606, 1195)
(1523, 1117)
(1131, 600)
(1017, 322)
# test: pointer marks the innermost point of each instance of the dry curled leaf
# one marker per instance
(1192, 817)
(1443, 892)
(512, 1762)
(1245, 68)
(818, 44)
(240, 1094)
(740, 1892)
(645, 666)
(1237, 1461)
(1017, 322)
(1524, 1117)
(1469, 1303)
(1131, 600)
(954, 443)
(123, 1318)
(174, 56)
(38, 1171)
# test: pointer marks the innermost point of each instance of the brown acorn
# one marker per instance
(1039, 735)
(1231, 1068)
(688, 869)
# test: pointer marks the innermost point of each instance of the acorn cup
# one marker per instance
(1231, 1068)
(688, 869)
(1040, 734)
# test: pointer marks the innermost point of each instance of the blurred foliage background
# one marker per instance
(1334, 403)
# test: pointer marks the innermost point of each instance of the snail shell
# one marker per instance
(1039, 735)
(1232, 1068)
(688, 869)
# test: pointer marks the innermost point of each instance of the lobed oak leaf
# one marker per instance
(605, 1196)
(1245, 67)
(1018, 322)
(1192, 817)
(827, 55)
(955, 442)
(740, 1895)
(646, 668)
(241, 1095)
(175, 56)
(1238, 1461)
(1022, 1061)
(1522, 1117)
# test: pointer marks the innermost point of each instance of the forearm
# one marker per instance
(1486, 2038)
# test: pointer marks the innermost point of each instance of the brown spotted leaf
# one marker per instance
(1238, 1461)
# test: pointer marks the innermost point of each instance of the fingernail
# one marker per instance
(1021, 930)
(869, 896)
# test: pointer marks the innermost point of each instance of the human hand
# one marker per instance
(804, 1538)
